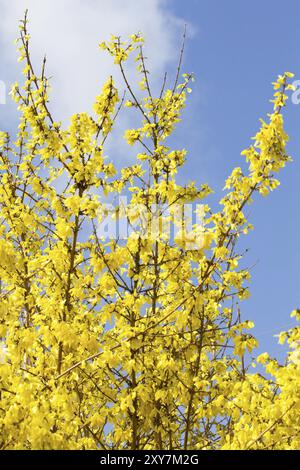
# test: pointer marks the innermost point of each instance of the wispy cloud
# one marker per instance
(69, 32)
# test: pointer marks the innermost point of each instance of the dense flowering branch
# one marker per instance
(134, 343)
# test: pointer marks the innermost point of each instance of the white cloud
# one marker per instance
(69, 32)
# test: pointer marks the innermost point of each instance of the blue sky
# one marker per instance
(236, 49)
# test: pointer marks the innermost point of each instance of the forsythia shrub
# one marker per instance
(135, 343)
